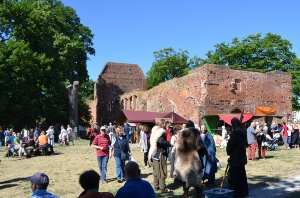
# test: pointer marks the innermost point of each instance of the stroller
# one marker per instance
(272, 144)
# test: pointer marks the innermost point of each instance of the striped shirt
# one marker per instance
(104, 142)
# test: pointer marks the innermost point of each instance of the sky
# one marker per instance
(129, 31)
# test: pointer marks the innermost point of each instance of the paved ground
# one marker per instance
(284, 189)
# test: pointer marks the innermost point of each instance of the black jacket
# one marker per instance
(237, 144)
(163, 144)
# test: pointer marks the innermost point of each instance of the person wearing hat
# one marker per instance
(101, 143)
(39, 184)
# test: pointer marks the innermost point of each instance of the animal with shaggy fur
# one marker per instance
(156, 133)
(188, 164)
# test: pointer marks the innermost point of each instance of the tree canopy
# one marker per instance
(43, 48)
(169, 64)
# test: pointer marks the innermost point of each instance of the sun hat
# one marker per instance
(103, 128)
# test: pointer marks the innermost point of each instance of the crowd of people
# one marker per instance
(32, 141)
(158, 145)
(190, 149)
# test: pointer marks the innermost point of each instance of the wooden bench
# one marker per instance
(44, 150)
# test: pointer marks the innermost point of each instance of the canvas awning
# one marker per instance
(176, 119)
(263, 111)
(228, 117)
(147, 117)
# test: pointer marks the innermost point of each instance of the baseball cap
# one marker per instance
(39, 179)
(103, 128)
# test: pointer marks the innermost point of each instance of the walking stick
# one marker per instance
(225, 175)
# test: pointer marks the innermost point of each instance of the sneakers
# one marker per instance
(146, 167)
(288, 148)
(104, 182)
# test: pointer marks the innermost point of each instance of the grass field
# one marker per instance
(65, 167)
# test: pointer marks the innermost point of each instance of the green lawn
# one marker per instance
(65, 167)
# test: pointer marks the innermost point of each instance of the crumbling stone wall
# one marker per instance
(114, 80)
(214, 89)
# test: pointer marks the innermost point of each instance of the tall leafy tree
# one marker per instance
(169, 64)
(268, 53)
(43, 45)
(86, 93)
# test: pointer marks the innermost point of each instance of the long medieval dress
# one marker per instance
(210, 165)
(295, 137)
(236, 149)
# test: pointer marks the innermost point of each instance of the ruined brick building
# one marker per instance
(207, 90)
(114, 80)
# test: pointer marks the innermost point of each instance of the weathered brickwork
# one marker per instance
(114, 80)
(214, 89)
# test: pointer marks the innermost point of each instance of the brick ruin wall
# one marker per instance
(215, 89)
(115, 80)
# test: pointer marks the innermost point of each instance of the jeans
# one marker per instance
(119, 168)
(51, 141)
(48, 146)
(0, 143)
(102, 164)
(285, 141)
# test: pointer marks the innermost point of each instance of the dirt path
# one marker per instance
(287, 188)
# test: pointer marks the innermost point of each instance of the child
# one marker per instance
(224, 138)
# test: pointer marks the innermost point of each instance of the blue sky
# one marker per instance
(129, 31)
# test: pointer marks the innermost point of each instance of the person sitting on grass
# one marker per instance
(89, 181)
(135, 186)
(39, 184)
(29, 146)
(18, 145)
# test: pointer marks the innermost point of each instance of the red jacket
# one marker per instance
(104, 142)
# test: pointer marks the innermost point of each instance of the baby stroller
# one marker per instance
(272, 144)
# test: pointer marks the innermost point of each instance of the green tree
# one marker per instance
(43, 46)
(86, 93)
(169, 64)
(269, 53)
(87, 88)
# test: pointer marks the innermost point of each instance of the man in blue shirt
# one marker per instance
(126, 130)
(135, 186)
(39, 184)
